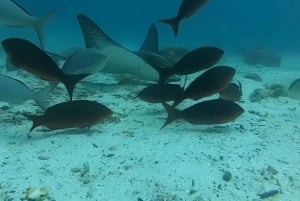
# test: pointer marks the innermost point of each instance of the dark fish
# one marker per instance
(216, 111)
(27, 56)
(72, 114)
(294, 90)
(192, 62)
(294, 83)
(210, 82)
(186, 10)
(268, 194)
(232, 92)
(160, 93)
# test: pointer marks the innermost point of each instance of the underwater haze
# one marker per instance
(161, 100)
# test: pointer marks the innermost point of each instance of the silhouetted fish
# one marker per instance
(160, 93)
(294, 89)
(72, 114)
(16, 92)
(12, 14)
(217, 111)
(210, 82)
(194, 61)
(27, 56)
(232, 92)
(186, 10)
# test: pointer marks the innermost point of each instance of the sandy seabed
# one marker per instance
(130, 158)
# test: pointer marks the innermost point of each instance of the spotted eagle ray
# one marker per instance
(121, 60)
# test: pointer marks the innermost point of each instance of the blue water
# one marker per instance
(231, 25)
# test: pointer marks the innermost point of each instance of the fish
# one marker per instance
(268, 194)
(195, 60)
(15, 91)
(232, 92)
(88, 61)
(160, 93)
(210, 112)
(186, 10)
(173, 54)
(294, 89)
(13, 14)
(121, 60)
(28, 57)
(208, 83)
(71, 114)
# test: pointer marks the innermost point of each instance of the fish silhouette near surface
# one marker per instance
(72, 114)
(208, 83)
(232, 92)
(27, 56)
(216, 111)
(160, 93)
(121, 60)
(16, 92)
(186, 10)
(192, 62)
(14, 15)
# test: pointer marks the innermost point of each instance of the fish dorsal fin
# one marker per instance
(21, 7)
(93, 35)
(151, 42)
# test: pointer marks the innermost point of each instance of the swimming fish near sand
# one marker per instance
(27, 56)
(208, 83)
(14, 15)
(89, 61)
(160, 93)
(16, 92)
(216, 111)
(192, 62)
(72, 114)
(121, 60)
(186, 10)
(232, 92)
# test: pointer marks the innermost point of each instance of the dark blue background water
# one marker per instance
(233, 25)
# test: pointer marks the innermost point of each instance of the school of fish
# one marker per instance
(102, 54)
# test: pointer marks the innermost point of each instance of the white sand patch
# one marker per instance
(130, 157)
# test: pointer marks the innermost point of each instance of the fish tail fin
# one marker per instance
(177, 101)
(71, 80)
(173, 114)
(164, 73)
(39, 26)
(174, 23)
(36, 121)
